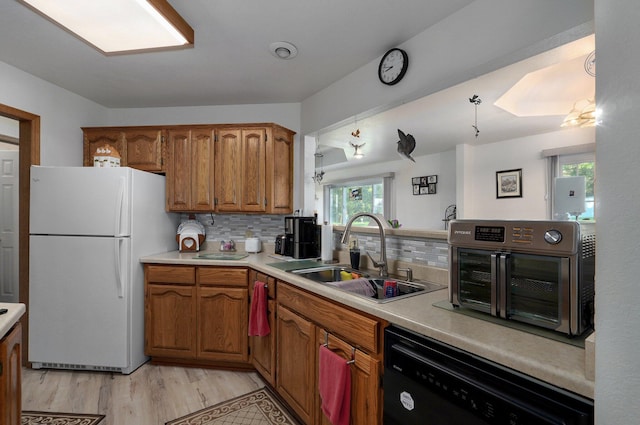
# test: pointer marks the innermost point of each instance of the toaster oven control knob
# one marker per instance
(553, 237)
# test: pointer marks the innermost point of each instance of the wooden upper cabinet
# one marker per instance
(178, 171)
(98, 137)
(254, 158)
(280, 172)
(139, 147)
(202, 179)
(190, 170)
(210, 168)
(228, 154)
(241, 170)
(145, 149)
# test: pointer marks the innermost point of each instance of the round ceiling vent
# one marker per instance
(283, 50)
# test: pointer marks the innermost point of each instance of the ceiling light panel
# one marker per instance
(119, 26)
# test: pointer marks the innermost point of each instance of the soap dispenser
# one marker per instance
(354, 254)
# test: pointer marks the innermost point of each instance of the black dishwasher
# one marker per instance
(428, 382)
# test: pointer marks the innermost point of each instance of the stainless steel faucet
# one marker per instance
(381, 222)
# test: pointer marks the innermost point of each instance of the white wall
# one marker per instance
(617, 213)
(469, 181)
(285, 114)
(412, 211)
(524, 153)
(61, 112)
(473, 41)
(9, 127)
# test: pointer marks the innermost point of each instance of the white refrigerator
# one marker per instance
(88, 229)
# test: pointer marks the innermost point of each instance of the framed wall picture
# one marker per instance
(424, 185)
(509, 183)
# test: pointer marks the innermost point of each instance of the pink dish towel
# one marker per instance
(334, 386)
(258, 319)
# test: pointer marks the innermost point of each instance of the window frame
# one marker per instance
(387, 183)
(566, 156)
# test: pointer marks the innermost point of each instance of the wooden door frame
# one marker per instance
(28, 154)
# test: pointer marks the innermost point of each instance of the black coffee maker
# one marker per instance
(302, 237)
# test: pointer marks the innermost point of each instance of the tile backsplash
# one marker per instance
(236, 226)
(418, 250)
(423, 251)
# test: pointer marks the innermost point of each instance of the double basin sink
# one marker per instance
(344, 278)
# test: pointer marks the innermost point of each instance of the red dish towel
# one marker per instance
(334, 386)
(258, 320)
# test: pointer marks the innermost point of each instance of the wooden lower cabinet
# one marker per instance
(222, 324)
(11, 377)
(170, 311)
(196, 314)
(305, 322)
(263, 348)
(199, 315)
(366, 397)
(296, 377)
(170, 321)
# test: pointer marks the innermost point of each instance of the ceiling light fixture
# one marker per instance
(584, 112)
(357, 152)
(119, 26)
(283, 50)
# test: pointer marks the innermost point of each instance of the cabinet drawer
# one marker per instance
(358, 330)
(225, 276)
(180, 275)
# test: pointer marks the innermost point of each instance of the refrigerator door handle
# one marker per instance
(118, 268)
(119, 206)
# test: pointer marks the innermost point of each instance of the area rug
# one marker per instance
(255, 408)
(35, 418)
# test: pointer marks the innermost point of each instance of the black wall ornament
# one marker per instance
(476, 101)
(406, 145)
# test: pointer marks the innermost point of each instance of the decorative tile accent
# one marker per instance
(421, 251)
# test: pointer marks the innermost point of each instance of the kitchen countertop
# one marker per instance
(555, 362)
(7, 320)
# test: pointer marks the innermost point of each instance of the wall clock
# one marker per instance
(393, 66)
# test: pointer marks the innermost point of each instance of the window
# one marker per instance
(581, 165)
(572, 161)
(347, 198)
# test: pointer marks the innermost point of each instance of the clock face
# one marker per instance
(393, 66)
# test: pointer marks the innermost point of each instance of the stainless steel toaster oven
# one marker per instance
(537, 272)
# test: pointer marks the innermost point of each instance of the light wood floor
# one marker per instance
(152, 395)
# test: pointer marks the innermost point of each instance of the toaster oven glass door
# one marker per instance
(537, 290)
(477, 279)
